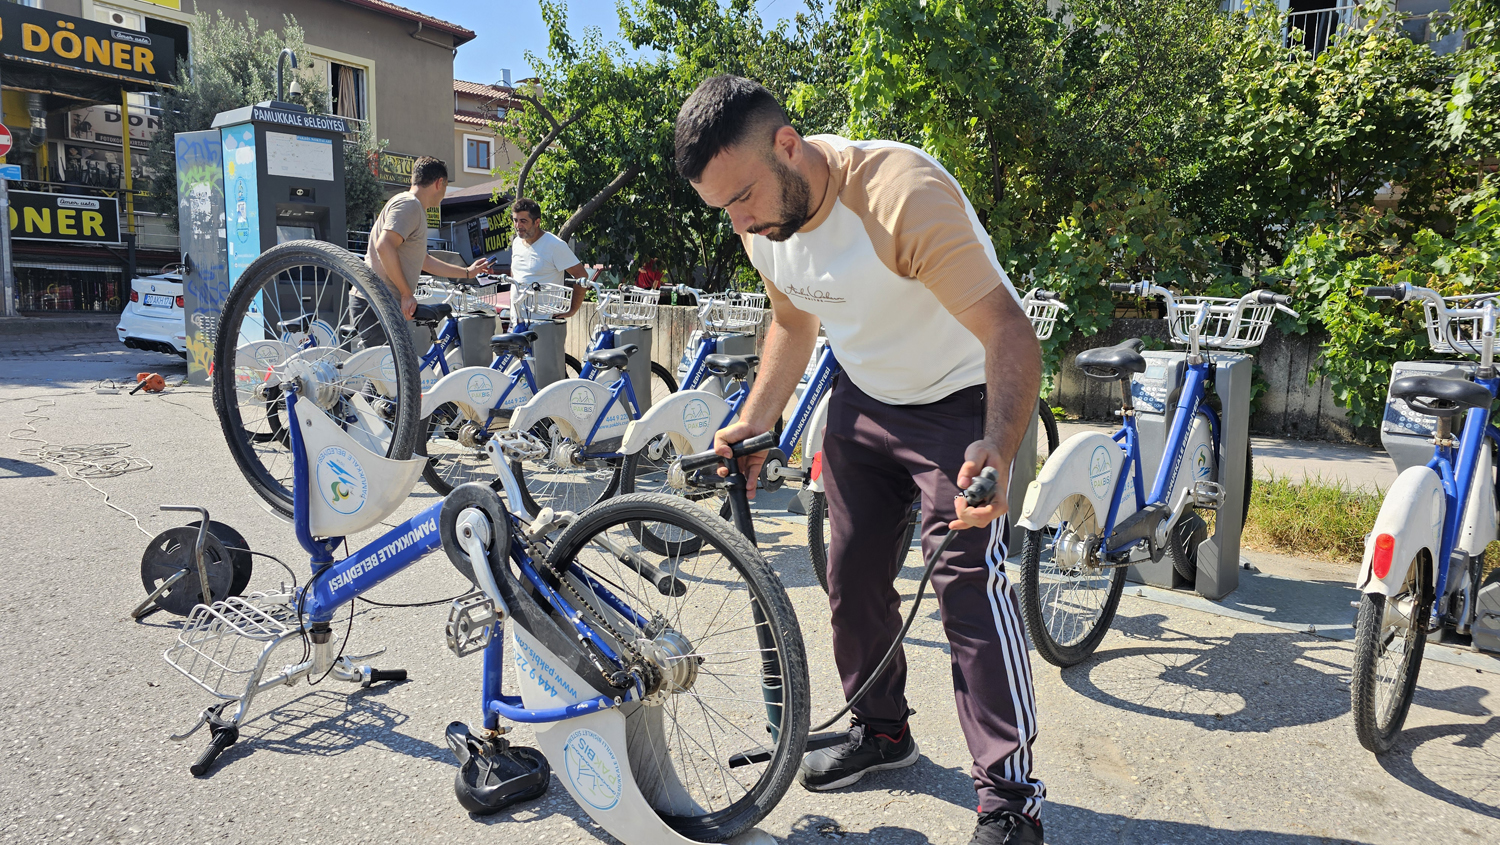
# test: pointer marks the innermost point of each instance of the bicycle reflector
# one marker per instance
(817, 467)
(1380, 562)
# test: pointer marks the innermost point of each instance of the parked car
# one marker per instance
(153, 318)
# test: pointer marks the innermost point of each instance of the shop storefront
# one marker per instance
(77, 99)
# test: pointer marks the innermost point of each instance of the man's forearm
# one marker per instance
(438, 267)
(1013, 382)
(782, 363)
(391, 263)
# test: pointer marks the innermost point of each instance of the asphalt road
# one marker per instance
(1185, 727)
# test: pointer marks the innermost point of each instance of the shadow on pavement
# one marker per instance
(12, 468)
(1457, 763)
(1065, 823)
(1246, 682)
(327, 723)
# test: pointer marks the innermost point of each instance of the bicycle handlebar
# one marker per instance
(750, 446)
(1396, 292)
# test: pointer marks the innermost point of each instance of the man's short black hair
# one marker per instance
(427, 170)
(722, 112)
(527, 205)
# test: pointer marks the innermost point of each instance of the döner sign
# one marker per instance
(47, 38)
(37, 216)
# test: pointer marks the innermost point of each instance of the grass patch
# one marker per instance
(1311, 519)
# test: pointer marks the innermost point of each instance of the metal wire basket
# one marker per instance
(1452, 333)
(1228, 326)
(629, 307)
(540, 301)
(222, 646)
(734, 311)
(1043, 314)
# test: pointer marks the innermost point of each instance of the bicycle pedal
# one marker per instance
(1208, 495)
(472, 622)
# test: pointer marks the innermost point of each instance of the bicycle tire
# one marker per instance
(692, 809)
(575, 369)
(266, 461)
(451, 464)
(818, 535)
(636, 467)
(1192, 529)
(1377, 732)
(1049, 426)
(661, 378)
(1039, 607)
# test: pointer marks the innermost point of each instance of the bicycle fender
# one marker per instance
(573, 404)
(689, 417)
(474, 390)
(375, 364)
(812, 444)
(1088, 463)
(1412, 513)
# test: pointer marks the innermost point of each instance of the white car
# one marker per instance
(153, 318)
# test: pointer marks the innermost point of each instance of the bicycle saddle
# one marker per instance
(1440, 397)
(616, 359)
(518, 343)
(734, 366)
(431, 315)
(1120, 361)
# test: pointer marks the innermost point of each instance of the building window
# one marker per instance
(477, 154)
(346, 91)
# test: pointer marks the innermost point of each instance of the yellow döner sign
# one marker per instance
(34, 35)
(63, 217)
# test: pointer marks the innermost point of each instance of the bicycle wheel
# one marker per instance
(565, 479)
(651, 471)
(662, 383)
(1192, 529)
(289, 286)
(818, 534)
(575, 369)
(726, 651)
(1067, 598)
(454, 449)
(1390, 635)
(1048, 429)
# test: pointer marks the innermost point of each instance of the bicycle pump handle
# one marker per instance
(749, 446)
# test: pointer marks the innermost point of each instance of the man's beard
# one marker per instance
(796, 204)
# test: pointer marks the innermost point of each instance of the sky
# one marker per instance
(507, 29)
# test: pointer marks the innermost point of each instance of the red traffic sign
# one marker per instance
(5, 140)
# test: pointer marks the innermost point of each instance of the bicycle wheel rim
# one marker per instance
(450, 462)
(308, 283)
(1073, 599)
(1398, 646)
(561, 482)
(734, 624)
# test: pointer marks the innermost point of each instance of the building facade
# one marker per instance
(386, 67)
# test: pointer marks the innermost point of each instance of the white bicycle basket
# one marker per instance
(540, 301)
(629, 307)
(1227, 326)
(1455, 334)
(734, 311)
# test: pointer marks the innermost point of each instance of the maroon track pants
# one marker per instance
(875, 458)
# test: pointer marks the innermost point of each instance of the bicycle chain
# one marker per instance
(638, 664)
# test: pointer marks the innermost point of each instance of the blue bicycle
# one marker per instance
(1088, 516)
(1424, 561)
(669, 692)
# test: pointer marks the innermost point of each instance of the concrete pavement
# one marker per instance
(1187, 726)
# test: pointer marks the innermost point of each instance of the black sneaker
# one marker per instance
(1007, 827)
(866, 751)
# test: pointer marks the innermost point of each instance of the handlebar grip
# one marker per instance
(749, 446)
(1384, 292)
(220, 743)
(1121, 287)
(1045, 296)
(378, 675)
(1266, 297)
(981, 491)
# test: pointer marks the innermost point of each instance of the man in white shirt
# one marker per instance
(537, 255)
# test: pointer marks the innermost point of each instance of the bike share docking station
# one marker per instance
(1155, 394)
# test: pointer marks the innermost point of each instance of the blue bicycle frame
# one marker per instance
(698, 369)
(437, 354)
(1194, 390)
(335, 583)
(1457, 485)
(791, 435)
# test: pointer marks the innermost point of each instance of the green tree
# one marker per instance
(234, 65)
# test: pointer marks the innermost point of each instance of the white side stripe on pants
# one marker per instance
(1018, 669)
